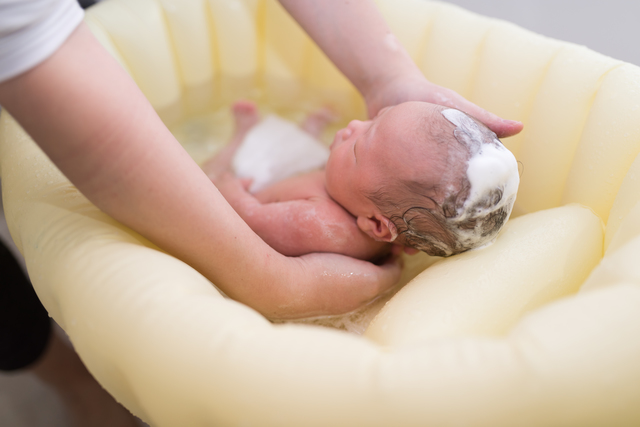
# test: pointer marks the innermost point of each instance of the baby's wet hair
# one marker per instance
(453, 226)
(431, 230)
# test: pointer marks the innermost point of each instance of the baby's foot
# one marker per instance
(245, 115)
(316, 122)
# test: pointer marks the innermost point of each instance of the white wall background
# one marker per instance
(611, 27)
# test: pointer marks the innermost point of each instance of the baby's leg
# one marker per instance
(316, 122)
(245, 115)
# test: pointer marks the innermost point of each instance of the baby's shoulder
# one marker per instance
(307, 186)
(315, 222)
(342, 233)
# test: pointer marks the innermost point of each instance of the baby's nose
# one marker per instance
(355, 125)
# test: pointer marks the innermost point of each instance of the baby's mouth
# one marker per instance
(336, 139)
(339, 138)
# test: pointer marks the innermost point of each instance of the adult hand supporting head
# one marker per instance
(356, 38)
(94, 123)
(415, 87)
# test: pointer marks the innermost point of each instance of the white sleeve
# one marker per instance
(32, 30)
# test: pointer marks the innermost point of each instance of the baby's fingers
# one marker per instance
(246, 183)
(389, 273)
(340, 284)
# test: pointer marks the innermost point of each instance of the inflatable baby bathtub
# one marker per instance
(540, 329)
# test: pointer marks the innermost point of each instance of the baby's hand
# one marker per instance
(217, 166)
(234, 190)
(230, 182)
(246, 183)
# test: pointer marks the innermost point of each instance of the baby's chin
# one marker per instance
(329, 179)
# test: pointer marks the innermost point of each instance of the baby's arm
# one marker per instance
(301, 226)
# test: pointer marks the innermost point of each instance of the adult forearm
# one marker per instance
(91, 119)
(94, 123)
(356, 38)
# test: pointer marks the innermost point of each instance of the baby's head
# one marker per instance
(424, 176)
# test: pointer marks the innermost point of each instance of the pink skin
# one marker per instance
(295, 216)
(366, 154)
(95, 124)
(329, 212)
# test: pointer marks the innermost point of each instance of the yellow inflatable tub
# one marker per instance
(540, 329)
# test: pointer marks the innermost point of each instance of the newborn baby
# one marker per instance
(418, 175)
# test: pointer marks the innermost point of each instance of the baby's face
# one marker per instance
(368, 155)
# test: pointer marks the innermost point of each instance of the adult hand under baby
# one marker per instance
(333, 284)
(313, 284)
(417, 88)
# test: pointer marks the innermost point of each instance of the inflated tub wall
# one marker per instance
(505, 336)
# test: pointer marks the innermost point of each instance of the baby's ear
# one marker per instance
(378, 227)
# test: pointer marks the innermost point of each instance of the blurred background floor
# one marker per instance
(607, 27)
(24, 400)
